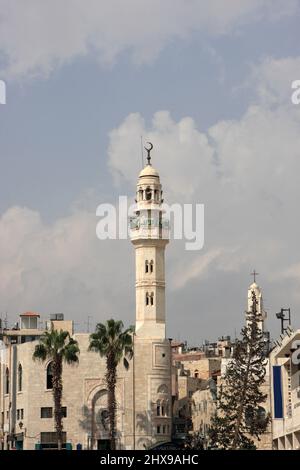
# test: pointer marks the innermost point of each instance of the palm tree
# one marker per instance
(111, 342)
(59, 347)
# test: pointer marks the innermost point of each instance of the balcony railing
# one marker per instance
(149, 227)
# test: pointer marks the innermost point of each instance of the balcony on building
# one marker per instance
(143, 226)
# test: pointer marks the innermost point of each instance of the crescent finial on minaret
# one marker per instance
(148, 152)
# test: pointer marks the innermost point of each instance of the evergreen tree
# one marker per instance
(239, 416)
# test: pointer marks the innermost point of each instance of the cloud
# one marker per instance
(272, 78)
(36, 37)
(245, 171)
(61, 267)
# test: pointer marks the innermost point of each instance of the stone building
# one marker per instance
(204, 408)
(143, 393)
(285, 391)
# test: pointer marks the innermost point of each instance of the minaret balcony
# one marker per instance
(149, 227)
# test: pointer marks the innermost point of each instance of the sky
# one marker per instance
(209, 83)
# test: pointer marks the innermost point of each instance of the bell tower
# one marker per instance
(149, 232)
(262, 314)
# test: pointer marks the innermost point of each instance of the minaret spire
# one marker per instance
(148, 152)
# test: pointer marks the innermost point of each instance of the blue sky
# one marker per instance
(73, 79)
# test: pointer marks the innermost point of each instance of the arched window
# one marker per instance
(196, 374)
(149, 298)
(146, 266)
(158, 408)
(20, 378)
(7, 380)
(148, 194)
(162, 389)
(151, 266)
(49, 376)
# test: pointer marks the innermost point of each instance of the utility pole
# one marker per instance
(284, 318)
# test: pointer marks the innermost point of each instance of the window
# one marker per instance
(46, 412)
(149, 298)
(162, 389)
(49, 440)
(148, 194)
(22, 413)
(158, 429)
(149, 266)
(164, 429)
(18, 415)
(49, 376)
(20, 378)
(7, 380)
(196, 374)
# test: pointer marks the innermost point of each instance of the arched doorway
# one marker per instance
(100, 422)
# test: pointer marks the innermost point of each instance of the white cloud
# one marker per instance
(37, 36)
(245, 171)
(60, 267)
(273, 78)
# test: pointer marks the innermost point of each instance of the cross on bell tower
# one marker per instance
(254, 274)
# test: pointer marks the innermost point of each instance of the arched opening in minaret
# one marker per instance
(148, 194)
(151, 266)
(150, 298)
(146, 266)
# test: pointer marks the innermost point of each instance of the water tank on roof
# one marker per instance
(57, 316)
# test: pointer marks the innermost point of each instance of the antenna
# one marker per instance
(142, 152)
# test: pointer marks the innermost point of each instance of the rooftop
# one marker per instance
(29, 314)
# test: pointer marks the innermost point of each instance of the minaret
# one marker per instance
(152, 351)
(149, 235)
(254, 287)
